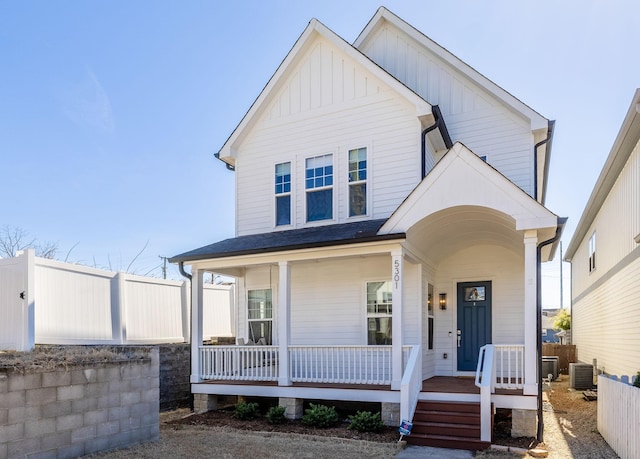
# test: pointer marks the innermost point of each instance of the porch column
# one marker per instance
(196, 322)
(397, 281)
(284, 322)
(530, 309)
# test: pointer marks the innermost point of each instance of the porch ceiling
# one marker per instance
(450, 230)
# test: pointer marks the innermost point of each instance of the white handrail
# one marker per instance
(411, 384)
(485, 372)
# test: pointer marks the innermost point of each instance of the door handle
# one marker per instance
(459, 337)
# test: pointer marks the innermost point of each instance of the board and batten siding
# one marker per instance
(328, 299)
(320, 112)
(605, 305)
(473, 116)
(505, 270)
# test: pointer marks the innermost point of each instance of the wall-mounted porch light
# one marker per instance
(443, 301)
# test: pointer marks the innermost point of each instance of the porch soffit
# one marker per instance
(462, 179)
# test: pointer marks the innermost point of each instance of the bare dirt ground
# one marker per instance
(570, 432)
(570, 426)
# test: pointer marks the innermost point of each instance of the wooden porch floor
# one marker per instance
(442, 384)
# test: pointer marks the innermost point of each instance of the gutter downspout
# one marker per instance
(438, 123)
(535, 157)
(560, 225)
(188, 276)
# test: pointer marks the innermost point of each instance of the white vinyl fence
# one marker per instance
(619, 415)
(71, 304)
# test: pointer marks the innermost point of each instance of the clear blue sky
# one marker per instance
(111, 111)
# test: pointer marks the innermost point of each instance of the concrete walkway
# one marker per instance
(420, 452)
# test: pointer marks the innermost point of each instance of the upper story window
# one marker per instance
(283, 194)
(357, 182)
(319, 186)
(592, 252)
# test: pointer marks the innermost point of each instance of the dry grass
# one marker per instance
(219, 442)
(48, 358)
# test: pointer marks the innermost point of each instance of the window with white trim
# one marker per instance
(592, 252)
(260, 315)
(379, 308)
(357, 182)
(319, 186)
(283, 194)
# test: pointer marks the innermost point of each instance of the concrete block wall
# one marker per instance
(82, 410)
(175, 369)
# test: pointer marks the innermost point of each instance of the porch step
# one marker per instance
(447, 425)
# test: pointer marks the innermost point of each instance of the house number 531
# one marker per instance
(396, 272)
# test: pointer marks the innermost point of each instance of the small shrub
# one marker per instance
(276, 415)
(366, 421)
(636, 383)
(246, 411)
(320, 416)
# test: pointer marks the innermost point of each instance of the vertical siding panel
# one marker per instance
(315, 77)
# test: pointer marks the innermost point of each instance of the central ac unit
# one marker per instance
(581, 375)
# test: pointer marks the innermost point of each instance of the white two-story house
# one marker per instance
(390, 225)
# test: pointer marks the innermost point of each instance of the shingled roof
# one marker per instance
(278, 241)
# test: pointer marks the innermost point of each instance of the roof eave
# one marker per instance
(304, 246)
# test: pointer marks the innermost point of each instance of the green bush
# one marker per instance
(637, 381)
(276, 415)
(366, 421)
(320, 416)
(246, 411)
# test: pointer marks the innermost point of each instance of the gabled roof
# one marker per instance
(623, 146)
(462, 182)
(279, 241)
(384, 15)
(314, 29)
(462, 178)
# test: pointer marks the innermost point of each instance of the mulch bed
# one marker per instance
(226, 418)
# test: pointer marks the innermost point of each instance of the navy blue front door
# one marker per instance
(474, 322)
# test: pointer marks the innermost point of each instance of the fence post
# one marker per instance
(118, 309)
(28, 312)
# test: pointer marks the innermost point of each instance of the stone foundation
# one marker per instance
(204, 402)
(390, 414)
(293, 407)
(524, 423)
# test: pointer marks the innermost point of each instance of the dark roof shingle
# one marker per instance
(318, 236)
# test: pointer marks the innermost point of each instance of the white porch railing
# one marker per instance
(485, 380)
(239, 363)
(509, 367)
(411, 384)
(340, 364)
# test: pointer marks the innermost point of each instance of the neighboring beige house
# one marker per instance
(390, 225)
(605, 259)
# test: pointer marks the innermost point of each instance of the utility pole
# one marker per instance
(164, 266)
(561, 292)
